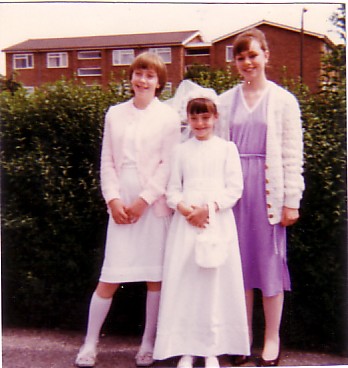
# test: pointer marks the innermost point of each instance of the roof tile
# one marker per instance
(128, 40)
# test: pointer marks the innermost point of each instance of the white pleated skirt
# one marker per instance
(134, 252)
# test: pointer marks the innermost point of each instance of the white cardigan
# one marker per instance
(284, 147)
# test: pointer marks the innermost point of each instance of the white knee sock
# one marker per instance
(152, 306)
(98, 310)
(212, 362)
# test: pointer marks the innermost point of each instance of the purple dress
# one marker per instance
(262, 245)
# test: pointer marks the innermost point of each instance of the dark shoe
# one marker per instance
(237, 360)
(268, 363)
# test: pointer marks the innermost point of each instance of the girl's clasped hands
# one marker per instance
(127, 215)
(197, 216)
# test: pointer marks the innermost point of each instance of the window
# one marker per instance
(229, 53)
(164, 52)
(122, 57)
(29, 89)
(89, 72)
(197, 52)
(23, 61)
(167, 88)
(57, 60)
(94, 54)
(124, 88)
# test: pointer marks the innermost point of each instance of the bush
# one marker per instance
(54, 217)
(219, 80)
(317, 244)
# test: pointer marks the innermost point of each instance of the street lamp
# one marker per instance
(301, 49)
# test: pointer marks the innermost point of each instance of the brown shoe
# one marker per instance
(237, 360)
(268, 363)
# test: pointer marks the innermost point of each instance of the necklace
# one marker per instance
(252, 94)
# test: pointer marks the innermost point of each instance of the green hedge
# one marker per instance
(54, 218)
(317, 309)
(53, 215)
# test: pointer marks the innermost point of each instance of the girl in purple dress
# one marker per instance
(264, 121)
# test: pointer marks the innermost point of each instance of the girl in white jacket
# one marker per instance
(139, 136)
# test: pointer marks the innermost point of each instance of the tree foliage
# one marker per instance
(318, 254)
(53, 214)
(219, 80)
(9, 84)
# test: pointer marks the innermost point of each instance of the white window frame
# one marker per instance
(89, 55)
(229, 53)
(89, 72)
(164, 52)
(168, 88)
(28, 58)
(29, 89)
(60, 60)
(119, 57)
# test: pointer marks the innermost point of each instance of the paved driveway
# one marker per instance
(57, 349)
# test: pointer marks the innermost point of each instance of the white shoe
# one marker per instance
(144, 359)
(186, 361)
(87, 356)
(212, 362)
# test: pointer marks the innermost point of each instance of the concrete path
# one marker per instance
(57, 349)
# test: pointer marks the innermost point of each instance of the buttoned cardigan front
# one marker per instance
(284, 147)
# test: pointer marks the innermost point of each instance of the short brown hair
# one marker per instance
(150, 60)
(201, 106)
(242, 41)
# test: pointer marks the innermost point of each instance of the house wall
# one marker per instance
(41, 74)
(197, 59)
(285, 53)
(284, 61)
(25, 76)
(176, 70)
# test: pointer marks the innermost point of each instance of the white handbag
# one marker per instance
(211, 249)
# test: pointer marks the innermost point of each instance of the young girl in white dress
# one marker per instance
(202, 310)
(139, 136)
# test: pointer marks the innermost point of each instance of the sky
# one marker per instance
(24, 20)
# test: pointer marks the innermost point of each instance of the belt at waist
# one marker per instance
(252, 155)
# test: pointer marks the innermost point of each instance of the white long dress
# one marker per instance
(202, 311)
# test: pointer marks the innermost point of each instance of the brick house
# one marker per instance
(99, 59)
(285, 52)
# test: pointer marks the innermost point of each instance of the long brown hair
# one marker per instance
(242, 41)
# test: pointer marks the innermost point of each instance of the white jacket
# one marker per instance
(154, 141)
(284, 147)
